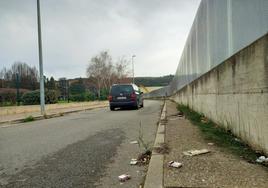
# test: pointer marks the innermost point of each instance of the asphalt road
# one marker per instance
(85, 149)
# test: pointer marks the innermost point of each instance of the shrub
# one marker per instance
(51, 96)
(104, 94)
(33, 97)
(86, 96)
(8, 96)
(90, 96)
(78, 97)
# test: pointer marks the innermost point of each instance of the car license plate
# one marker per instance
(121, 98)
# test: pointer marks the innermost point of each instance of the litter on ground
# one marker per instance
(124, 177)
(133, 162)
(172, 119)
(204, 120)
(134, 142)
(238, 140)
(262, 159)
(210, 144)
(180, 114)
(174, 164)
(196, 152)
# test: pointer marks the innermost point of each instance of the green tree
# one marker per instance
(51, 83)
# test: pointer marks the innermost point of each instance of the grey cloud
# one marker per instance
(75, 30)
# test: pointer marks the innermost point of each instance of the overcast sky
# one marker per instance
(75, 30)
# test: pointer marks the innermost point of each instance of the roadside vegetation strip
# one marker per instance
(10, 110)
(52, 114)
(220, 136)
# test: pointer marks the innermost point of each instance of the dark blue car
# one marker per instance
(125, 95)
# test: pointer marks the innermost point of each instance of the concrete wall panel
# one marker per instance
(235, 94)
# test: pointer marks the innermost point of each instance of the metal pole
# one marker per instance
(18, 87)
(42, 90)
(68, 91)
(133, 81)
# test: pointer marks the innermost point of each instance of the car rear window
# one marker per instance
(117, 89)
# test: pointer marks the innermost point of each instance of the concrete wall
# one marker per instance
(220, 29)
(235, 94)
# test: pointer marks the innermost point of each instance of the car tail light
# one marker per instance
(110, 98)
(133, 96)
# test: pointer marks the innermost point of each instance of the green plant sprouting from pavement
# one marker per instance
(46, 116)
(142, 143)
(28, 119)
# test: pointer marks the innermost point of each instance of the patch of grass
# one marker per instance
(221, 137)
(63, 101)
(28, 119)
(46, 116)
(7, 104)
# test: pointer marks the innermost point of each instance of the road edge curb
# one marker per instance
(154, 177)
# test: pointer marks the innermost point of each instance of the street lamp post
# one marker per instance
(42, 90)
(18, 88)
(132, 60)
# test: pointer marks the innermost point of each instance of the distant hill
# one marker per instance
(145, 81)
(154, 81)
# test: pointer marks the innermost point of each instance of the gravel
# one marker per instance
(215, 169)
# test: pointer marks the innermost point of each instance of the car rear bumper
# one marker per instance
(123, 104)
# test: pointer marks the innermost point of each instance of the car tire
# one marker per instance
(136, 107)
(111, 108)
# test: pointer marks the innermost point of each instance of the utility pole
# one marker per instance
(68, 90)
(42, 90)
(132, 60)
(18, 88)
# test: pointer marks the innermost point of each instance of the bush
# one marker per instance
(90, 96)
(33, 97)
(78, 97)
(104, 94)
(8, 96)
(51, 96)
(83, 97)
